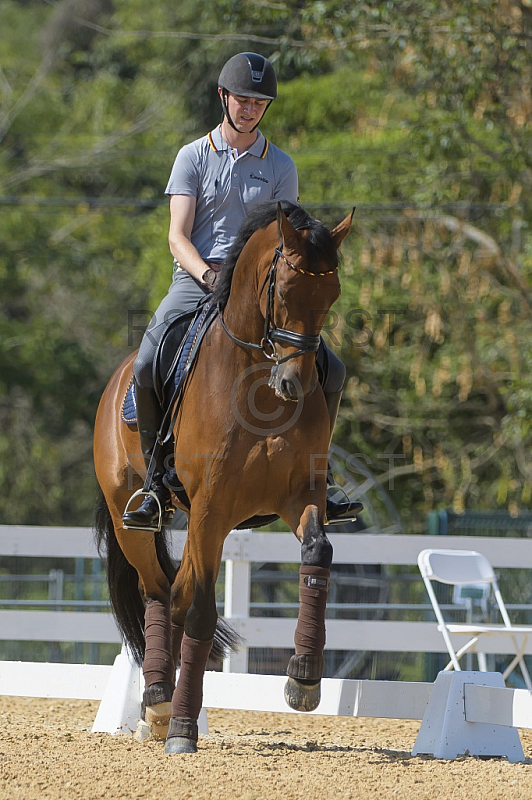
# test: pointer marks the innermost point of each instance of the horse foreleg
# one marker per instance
(188, 696)
(181, 599)
(305, 668)
(198, 635)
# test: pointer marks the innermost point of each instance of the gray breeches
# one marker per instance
(183, 295)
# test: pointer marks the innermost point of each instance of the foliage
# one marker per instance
(439, 370)
(417, 112)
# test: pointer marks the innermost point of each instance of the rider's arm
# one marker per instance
(286, 184)
(182, 213)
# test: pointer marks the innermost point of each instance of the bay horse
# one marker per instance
(253, 435)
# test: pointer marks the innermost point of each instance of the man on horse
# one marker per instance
(214, 182)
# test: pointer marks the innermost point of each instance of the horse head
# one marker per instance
(302, 285)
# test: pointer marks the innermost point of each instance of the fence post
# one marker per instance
(79, 574)
(55, 595)
(236, 605)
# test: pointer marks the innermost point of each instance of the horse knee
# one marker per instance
(201, 618)
(317, 552)
(316, 549)
(200, 625)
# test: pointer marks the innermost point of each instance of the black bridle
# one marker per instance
(272, 334)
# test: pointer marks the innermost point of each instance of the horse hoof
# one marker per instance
(158, 718)
(180, 744)
(302, 695)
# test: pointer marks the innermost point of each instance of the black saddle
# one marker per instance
(173, 361)
(178, 349)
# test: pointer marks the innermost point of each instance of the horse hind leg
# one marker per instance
(158, 671)
(156, 709)
(149, 557)
(163, 636)
(139, 567)
(305, 669)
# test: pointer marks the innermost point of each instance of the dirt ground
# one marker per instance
(48, 751)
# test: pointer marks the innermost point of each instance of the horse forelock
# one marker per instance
(321, 253)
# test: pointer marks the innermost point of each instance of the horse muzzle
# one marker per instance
(287, 385)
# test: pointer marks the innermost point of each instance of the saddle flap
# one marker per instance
(168, 355)
(173, 360)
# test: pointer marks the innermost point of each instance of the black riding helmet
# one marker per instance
(247, 75)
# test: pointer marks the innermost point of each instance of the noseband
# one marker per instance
(272, 333)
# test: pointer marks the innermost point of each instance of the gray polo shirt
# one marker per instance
(226, 186)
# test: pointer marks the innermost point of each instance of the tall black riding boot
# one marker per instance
(156, 510)
(347, 510)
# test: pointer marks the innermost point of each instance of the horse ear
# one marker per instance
(287, 233)
(342, 229)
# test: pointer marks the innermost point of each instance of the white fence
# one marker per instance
(240, 551)
(463, 712)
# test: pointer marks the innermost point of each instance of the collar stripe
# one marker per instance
(262, 155)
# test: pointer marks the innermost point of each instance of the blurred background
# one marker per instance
(418, 113)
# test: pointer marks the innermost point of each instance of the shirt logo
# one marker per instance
(258, 178)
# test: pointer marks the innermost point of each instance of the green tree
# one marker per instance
(417, 112)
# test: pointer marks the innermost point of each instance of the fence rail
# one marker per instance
(349, 548)
(241, 549)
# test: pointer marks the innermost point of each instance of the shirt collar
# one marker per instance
(218, 143)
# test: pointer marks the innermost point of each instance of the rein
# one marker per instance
(304, 342)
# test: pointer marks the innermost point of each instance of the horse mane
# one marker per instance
(319, 242)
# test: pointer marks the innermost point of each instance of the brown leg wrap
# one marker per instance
(307, 663)
(305, 668)
(157, 693)
(177, 637)
(158, 664)
(188, 696)
(309, 637)
(183, 727)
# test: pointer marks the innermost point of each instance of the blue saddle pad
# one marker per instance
(129, 405)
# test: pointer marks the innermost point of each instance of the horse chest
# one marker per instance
(271, 449)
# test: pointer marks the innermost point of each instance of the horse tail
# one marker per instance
(226, 640)
(123, 580)
(123, 584)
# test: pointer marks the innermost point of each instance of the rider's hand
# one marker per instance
(208, 279)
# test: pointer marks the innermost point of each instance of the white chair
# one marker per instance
(459, 568)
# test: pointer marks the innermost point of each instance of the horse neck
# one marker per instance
(242, 313)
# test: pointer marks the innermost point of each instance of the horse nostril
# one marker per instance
(289, 389)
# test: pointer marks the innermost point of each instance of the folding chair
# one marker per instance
(459, 568)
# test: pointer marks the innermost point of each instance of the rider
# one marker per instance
(213, 183)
